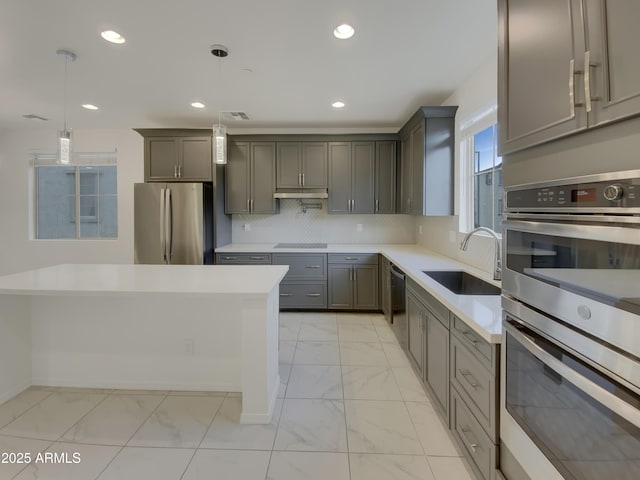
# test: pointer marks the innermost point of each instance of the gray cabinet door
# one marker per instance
(417, 168)
(438, 166)
(340, 286)
(161, 159)
(613, 39)
(385, 170)
(363, 177)
(541, 60)
(365, 287)
(289, 156)
(195, 159)
(339, 177)
(437, 371)
(405, 175)
(314, 164)
(263, 177)
(237, 175)
(303, 266)
(415, 318)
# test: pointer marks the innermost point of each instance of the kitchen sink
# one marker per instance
(463, 283)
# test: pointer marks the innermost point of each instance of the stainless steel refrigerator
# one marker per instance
(173, 223)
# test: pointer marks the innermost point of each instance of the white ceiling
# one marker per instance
(284, 69)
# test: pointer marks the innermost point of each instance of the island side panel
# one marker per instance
(260, 375)
(15, 345)
(167, 341)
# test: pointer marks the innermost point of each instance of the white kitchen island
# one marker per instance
(162, 327)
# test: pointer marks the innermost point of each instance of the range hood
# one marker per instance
(301, 193)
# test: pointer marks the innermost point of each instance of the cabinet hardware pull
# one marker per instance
(466, 374)
(179, 171)
(230, 258)
(256, 258)
(312, 266)
(377, 205)
(248, 205)
(252, 204)
(572, 91)
(351, 258)
(285, 294)
(175, 171)
(467, 334)
(355, 275)
(313, 294)
(303, 179)
(587, 80)
(300, 179)
(472, 445)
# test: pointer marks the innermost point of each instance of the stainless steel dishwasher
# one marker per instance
(398, 306)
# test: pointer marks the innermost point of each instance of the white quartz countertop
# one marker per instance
(73, 279)
(483, 313)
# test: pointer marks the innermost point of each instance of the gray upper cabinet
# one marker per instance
(385, 174)
(351, 177)
(565, 66)
(251, 178)
(176, 155)
(301, 165)
(427, 162)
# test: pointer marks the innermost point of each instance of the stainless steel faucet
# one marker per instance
(497, 259)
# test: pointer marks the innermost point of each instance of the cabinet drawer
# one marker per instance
(363, 258)
(475, 384)
(480, 347)
(477, 446)
(243, 258)
(303, 266)
(303, 295)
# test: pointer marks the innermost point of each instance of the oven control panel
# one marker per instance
(605, 194)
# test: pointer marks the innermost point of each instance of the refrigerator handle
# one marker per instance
(169, 225)
(163, 244)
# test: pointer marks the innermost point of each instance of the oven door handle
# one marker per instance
(604, 233)
(596, 392)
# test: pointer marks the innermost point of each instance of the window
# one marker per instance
(481, 173)
(65, 193)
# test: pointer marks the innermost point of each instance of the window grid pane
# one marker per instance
(487, 180)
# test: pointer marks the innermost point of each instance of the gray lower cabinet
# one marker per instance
(437, 361)
(243, 258)
(353, 281)
(305, 284)
(417, 341)
(251, 178)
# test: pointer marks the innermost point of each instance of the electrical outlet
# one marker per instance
(189, 346)
(359, 228)
(246, 227)
(420, 229)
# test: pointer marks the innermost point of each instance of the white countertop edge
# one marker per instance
(413, 259)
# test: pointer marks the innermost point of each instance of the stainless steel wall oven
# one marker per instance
(571, 300)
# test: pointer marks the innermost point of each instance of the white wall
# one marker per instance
(17, 251)
(292, 225)
(440, 234)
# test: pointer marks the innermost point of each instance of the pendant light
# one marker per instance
(219, 130)
(65, 143)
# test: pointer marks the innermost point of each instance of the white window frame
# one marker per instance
(469, 127)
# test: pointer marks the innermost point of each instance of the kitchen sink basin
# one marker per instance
(463, 283)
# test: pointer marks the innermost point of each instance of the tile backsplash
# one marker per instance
(292, 225)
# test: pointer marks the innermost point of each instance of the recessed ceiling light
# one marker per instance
(337, 104)
(197, 105)
(113, 37)
(343, 31)
(89, 106)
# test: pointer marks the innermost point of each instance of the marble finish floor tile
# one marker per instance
(15, 445)
(308, 466)
(228, 465)
(196, 393)
(312, 425)
(327, 318)
(285, 371)
(380, 427)
(378, 320)
(286, 350)
(385, 334)
(369, 466)
(395, 355)
(141, 392)
(179, 422)
(227, 432)
(446, 468)
(357, 333)
(434, 437)
(369, 383)
(314, 381)
(53, 416)
(16, 406)
(410, 386)
(135, 463)
(353, 319)
(319, 332)
(86, 462)
(363, 353)
(289, 328)
(114, 421)
(317, 353)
